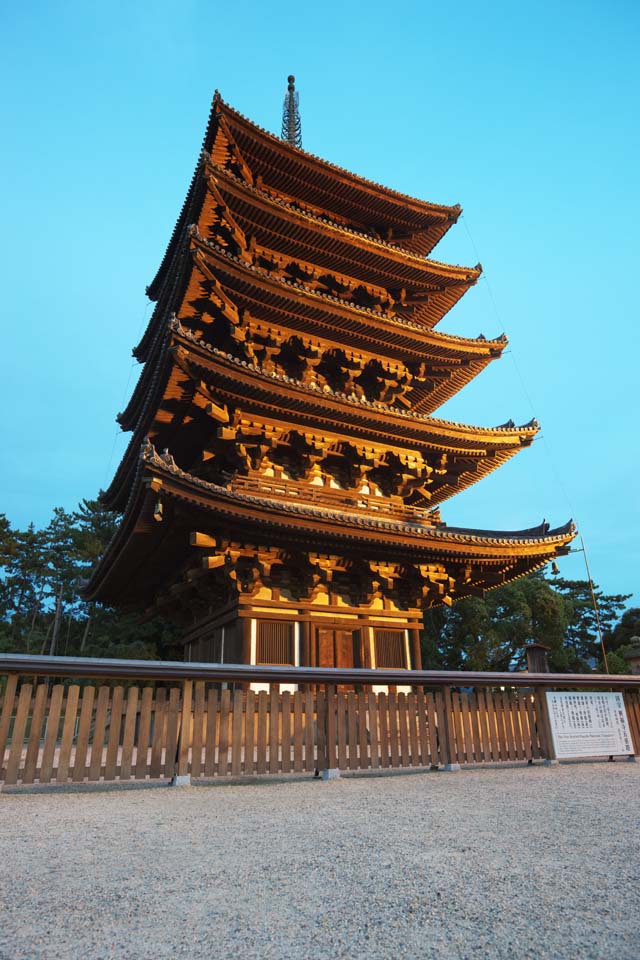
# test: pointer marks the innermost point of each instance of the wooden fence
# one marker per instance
(64, 720)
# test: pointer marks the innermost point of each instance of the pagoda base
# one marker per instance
(279, 632)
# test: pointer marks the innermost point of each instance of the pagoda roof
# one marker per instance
(185, 360)
(143, 551)
(264, 158)
(349, 321)
(285, 228)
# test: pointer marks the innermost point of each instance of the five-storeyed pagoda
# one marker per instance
(282, 484)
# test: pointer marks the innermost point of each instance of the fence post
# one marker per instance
(183, 778)
(5, 718)
(447, 743)
(330, 770)
(544, 727)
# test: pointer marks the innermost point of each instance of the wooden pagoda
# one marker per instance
(281, 490)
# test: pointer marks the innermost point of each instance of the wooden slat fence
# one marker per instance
(58, 730)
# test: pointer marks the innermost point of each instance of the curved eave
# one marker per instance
(341, 317)
(285, 229)
(329, 186)
(383, 418)
(253, 391)
(139, 538)
(438, 293)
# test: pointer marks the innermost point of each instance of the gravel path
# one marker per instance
(520, 862)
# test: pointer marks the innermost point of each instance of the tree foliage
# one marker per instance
(490, 632)
(41, 606)
(42, 609)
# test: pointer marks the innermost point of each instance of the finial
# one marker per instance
(291, 125)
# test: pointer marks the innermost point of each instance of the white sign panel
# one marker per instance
(589, 724)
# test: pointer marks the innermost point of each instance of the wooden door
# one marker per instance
(338, 648)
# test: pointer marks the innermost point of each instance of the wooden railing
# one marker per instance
(66, 719)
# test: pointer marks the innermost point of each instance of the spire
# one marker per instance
(291, 126)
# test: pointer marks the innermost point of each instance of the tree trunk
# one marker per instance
(85, 635)
(56, 623)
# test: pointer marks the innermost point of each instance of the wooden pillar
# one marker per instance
(544, 726)
(305, 643)
(416, 651)
(182, 777)
(330, 769)
(245, 627)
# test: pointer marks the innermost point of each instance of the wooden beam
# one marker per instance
(197, 539)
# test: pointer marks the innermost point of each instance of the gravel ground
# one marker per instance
(518, 862)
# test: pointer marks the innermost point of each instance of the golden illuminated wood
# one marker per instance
(282, 486)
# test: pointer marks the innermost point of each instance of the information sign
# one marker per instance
(589, 724)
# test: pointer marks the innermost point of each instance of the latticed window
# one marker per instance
(275, 642)
(390, 649)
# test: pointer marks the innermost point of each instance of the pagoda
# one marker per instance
(281, 490)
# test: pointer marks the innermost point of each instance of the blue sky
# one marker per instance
(526, 115)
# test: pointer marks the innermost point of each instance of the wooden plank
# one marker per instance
(412, 717)
(383, 718)
(523, 724)
(476, 731)
(423, 735)
(84, 729)
(37, 721)
(457, 738)
(5, 717)
(405, 759)
(249, 732)
(51, 735)
(223, 735)
(322, 719)
(19, 729)
(491, 726)
(483, 719)
(363, 746)
(434, 739)
(115, 722)
(184, 736)
(97, 738)
(310, 731)
(374, 736)
(144, 730)
(352, 730)
(469, 753)
(173, 732)
(508, 723)
(393, 729)
(198, 725)
(514, 715)
(331, 728)
(341, 708)
(236, 732)
(274, 729)
(159, 732)
(212, 732)
(532, 736)
(286, 731)
(198, 729)
(262, 732)
(68, 730)
(128, 737)
(633, 715)
(298, 730)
